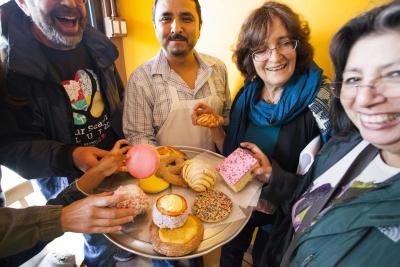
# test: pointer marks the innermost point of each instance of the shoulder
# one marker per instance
(320, 107)
(237, 96)
(103, 50)
(143, 71)
(212, 61)
(336, 148)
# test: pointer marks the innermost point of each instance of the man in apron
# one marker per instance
(162, 93)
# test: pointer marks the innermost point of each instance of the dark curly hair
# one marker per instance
(255, 31)
(198, 9)
(378, 20)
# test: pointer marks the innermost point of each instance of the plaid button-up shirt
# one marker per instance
(148, 100)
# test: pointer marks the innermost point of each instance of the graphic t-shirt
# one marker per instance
(76, 71)
(374, 174)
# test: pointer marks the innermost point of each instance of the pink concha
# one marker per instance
(142, 161)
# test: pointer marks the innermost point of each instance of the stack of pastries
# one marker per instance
(174, 232)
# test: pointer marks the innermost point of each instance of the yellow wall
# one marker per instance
(221, 23)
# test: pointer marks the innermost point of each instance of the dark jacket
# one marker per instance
(347, 234)
(293, 138)
(38, 139)
(26, 231)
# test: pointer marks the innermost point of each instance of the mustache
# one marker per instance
(177, 37)
(63, 11)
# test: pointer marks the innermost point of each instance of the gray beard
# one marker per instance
(58, 38)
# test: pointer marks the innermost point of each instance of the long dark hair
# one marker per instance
(255, 31)
(378, 20)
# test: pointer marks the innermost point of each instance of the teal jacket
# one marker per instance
(348, 234)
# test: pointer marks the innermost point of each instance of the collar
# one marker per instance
(26, 56)
(161, 66)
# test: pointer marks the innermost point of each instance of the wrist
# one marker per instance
(50, 225)
(63, 222)
(217, 134)
(90, 180)
(264, 177)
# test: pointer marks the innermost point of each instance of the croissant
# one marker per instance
(198, 175)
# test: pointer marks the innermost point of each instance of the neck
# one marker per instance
(390, 158)
(271, 94)
(176, 63)
(186, 67)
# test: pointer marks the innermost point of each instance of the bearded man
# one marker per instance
(62, 71)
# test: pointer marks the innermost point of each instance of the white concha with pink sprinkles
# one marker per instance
(132, 197)
(236, 169)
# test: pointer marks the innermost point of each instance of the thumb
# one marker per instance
(103, 200)
(258, 171)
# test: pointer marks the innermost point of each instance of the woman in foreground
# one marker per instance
(345, 211)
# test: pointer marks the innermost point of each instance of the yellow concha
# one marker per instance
(153, 184)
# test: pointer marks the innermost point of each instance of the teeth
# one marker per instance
(277, 67)
(382, 118)
(67, 17)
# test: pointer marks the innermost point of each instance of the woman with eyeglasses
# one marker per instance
(345, 211)
(281, 108)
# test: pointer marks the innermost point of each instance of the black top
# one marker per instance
(76, 71)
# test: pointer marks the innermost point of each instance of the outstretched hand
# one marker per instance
(114, 160)
(93, 215)
(87, 157)
(263, 172)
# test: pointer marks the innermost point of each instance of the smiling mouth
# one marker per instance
(68, 22)
(379, 118)
(277, 68)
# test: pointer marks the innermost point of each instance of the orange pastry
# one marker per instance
(208, 120)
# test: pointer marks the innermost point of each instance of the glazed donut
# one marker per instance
(171, 163)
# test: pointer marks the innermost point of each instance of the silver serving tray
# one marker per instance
(130, 237)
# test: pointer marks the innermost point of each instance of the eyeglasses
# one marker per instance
(387, 86)
(282, 48)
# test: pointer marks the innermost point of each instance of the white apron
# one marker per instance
(178, 128)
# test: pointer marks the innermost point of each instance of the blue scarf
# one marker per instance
(297, 94)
